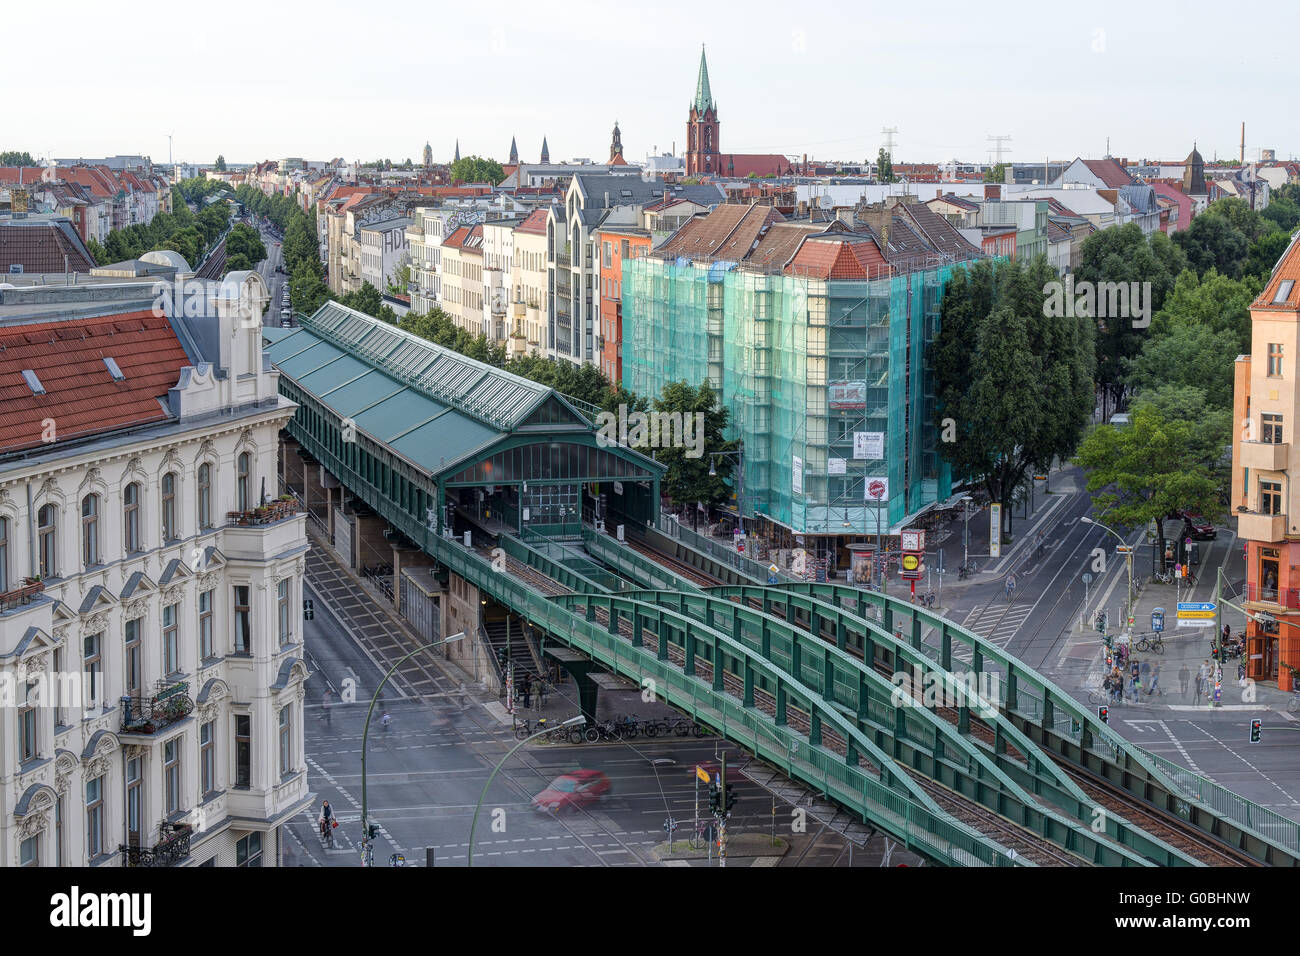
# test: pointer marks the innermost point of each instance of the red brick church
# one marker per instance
(704, 156)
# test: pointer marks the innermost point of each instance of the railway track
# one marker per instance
(680, 568)
(1159, 824)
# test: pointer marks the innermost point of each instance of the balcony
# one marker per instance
(172, 847)
(1256, 526)
(1263, 456)
(283, 507)
(21, 595)
(1275, 597)
(148, 715)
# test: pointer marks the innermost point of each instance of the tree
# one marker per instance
(1212, 431)
(475, 169)
(1190, 354)
(12, 157)
(884, 167)
(1240, 216)
(996, 173)
(1125, 255)
(1147, 469)
(238, 263)
(1265, 252)
(243, 240)
(366, 299)
(1014, 382)
(1214, 301)
(687, 480)
(220, 164)
(308, 291)
(1211, 242)
(97, 252)
(1283, 212)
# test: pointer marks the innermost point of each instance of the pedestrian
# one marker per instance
(541, 692)
(325, 706)
(462, 694)
(385, 720)
(1154, 689)
(1184, 675)
(1135, 679)
(1146, 676)
(1117, 683)
(526, 688)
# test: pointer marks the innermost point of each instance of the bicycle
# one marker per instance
(524, 729)
(1163, 577)
(1293, 704)
(327, 832)
(1152, 642)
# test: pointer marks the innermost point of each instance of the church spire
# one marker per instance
(703, 95)
(457, 157)
(514, 152)
(546, 153)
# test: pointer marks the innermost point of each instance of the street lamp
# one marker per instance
(578, 721)
(365, 734)
(1128, 556)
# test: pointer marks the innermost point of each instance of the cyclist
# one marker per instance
(384, 720)
(1011, 585)
(326, 821)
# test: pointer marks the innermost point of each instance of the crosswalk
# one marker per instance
(996, 622)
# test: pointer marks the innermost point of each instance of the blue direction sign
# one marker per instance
(1196, 605)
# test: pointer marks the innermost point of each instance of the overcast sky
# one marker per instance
(367, 81)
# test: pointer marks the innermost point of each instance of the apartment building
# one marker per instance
(149, 619)
(462, 278)
(1265, 500)
(383, 249)
(528, 286)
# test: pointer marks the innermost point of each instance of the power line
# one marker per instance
(888, 132)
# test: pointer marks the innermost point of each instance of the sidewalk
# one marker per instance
(1182, 645)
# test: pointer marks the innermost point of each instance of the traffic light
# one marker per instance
(372, 830)
(1256, 726)
(1214, 653)
(731, 800)
(1103, 713)
(715, 799)
(1101, 621)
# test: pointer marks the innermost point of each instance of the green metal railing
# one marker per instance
(627, 562)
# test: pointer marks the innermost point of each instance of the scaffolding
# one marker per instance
(804, 365)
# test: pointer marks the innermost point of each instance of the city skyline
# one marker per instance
(826, 87)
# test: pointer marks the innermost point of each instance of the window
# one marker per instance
(205, 496)
(29, 851)
(131, 513)
(59, 853)
(1272, 428)
(206, 649)
(172, 774)
(1283, 291)
(282, 609)
(207, 758)
(243, 751)
(47, 528)
(28, 743)
(94, 817)
(90, 530)
(609, 254)
(4, 555)
(248, 851)
(1274, 359)
(132, 657)
(134, 813)
(286, 741)
(243, 624)
(57, 688)
(624, 249)
(169, 506)
(1270, 497)
(171, 648)
(241, 483)
(90, 667)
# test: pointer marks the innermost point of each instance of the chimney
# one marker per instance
(607, 199)
(993, 191)
(879, 216)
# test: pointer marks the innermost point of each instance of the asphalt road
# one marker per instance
(275, 281)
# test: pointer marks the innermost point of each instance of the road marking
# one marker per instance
(1180, 748)
(766, 861)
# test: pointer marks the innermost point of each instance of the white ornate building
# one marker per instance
(152, 678)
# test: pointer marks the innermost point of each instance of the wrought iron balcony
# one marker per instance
(148, 715)
(272, 511)
(21, 595)
(172, 847)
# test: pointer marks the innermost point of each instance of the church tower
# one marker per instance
(514, 153)
(703, 142)
(428, 155)
(1194, 174)
(456, 159)
(546, 153)
(616, 148)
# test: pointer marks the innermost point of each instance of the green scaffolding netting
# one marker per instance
(803, 365)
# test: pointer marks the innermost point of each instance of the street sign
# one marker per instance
(1189, 615)
(1195, 606)
(1087, 578)
(913, 540)
(1185, 622)
(701, 774)
(773, 574)
(995, 530)
(1123, 549)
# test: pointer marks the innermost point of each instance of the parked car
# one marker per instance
(572, 791)
(1201, 530)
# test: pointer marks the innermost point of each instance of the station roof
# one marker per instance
(433, 406)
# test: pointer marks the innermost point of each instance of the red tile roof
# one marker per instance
(81, 397)
(42, 246)
(457, 238)
(1287, 269)
(1111, 173)
(534, 224)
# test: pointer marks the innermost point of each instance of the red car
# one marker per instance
(572, 791)
(1201, 529)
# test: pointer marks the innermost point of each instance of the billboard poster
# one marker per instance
(836, 466)
(995, 530)
(796, 476)
(847, 395)
(868, 446)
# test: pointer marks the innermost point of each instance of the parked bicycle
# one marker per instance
(524, 729)
(1151, 642)
(966, 570)
(1163, 577)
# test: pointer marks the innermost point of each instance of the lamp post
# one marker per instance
(365, 733)
(1128, 556)
(578, 721)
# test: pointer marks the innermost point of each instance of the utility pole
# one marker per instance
(888, 132)
(722, 817)
(999, 147)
